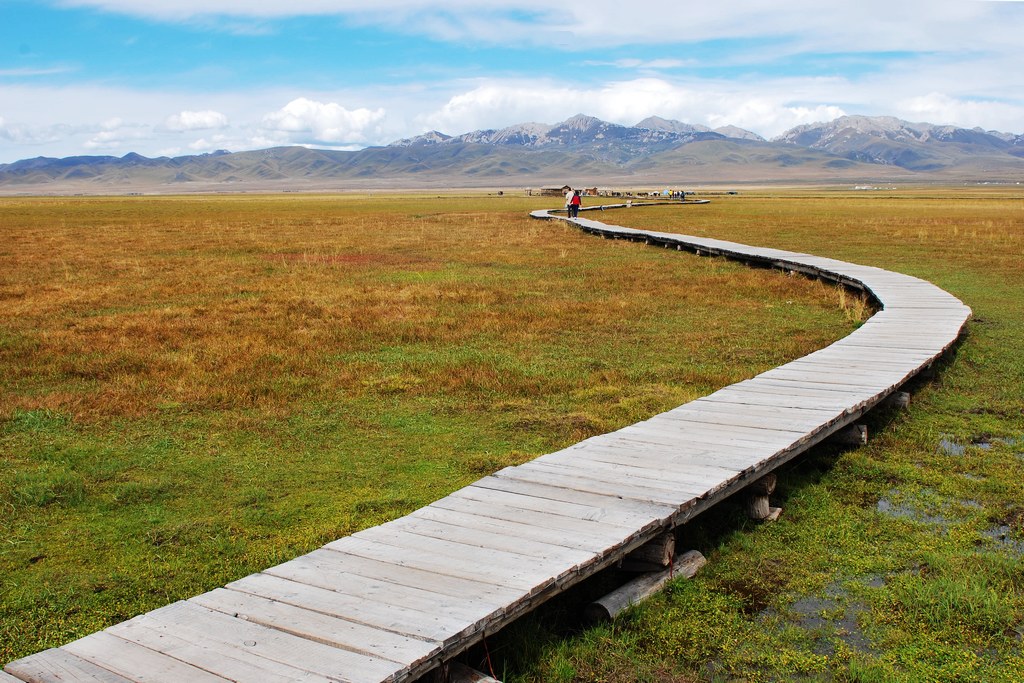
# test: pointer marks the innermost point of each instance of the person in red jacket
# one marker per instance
(574, 204)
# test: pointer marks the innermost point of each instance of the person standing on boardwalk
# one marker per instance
(574, 204)
(568, 201)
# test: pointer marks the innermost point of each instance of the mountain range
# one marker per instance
(581, 150)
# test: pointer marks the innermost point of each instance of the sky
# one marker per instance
(178, 77)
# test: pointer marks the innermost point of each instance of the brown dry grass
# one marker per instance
(126, 307)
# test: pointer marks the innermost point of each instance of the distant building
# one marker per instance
(554, 191)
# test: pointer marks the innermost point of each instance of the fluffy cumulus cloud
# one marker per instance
(197, 120)
(306, 120)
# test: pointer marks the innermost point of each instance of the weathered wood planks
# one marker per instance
(392, 602)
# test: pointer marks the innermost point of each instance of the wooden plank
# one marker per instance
(135, 662)
(494, 538)
(820, 377)
(389, 607)
(483, 502)
(643, 508)
(510, 527)
(457, 559)
(864, 354)
(636, 439)
(730, 454)
(869, 367)
(246, 640)
(344, 566)
(697, 439)
(828, 396)
(837, 378)
(745, 403)
(761, 382)
(519, 582)
(211, 656)
(314, 625)
(862, 371)
(682, 485)
(696, 474)
(648, 439)
(793, 421)
(677, 433)
(594, 511)
(669, 463)
(580, 484)
(687, 424)
(778, 399)
(690, 485)
(709, 449)
(57, 665)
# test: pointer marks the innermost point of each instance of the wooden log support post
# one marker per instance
(854, 435)
(686, 565)
(460, 673)
(898, 400)
(654, 556)
(758, 501)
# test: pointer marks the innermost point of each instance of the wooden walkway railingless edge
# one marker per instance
(395, 601)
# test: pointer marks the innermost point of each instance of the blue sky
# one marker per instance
(172, 77)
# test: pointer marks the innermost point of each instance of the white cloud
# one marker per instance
(116, 136)
(923, 25)
(311, 121)
(197, 120)
(212, 144)
(767, 110)
(942, 109)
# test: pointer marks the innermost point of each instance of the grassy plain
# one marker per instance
(899, 561)
(195, 388)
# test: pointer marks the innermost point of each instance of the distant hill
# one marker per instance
(580, 150)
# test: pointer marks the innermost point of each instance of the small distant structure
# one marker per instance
(554, 191)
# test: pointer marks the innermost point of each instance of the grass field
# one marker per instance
(900, 561)
(193, 389)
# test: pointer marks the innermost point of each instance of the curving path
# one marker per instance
(393, 602)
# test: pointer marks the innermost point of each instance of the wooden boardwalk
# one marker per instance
(395, 601)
